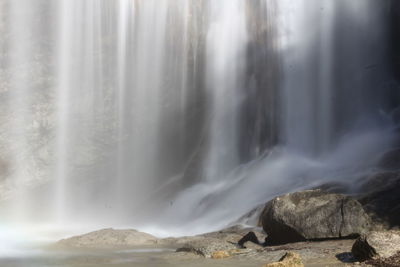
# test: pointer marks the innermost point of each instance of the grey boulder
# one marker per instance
(313, 215)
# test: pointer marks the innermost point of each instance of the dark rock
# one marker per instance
(381, 199)
(225, 236)
(249, 237)
(313, 215)
(361, 250)
(376, 244)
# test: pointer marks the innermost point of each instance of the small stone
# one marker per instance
(220, 255)
(290, 259)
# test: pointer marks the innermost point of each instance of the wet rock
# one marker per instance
(228, 236)
(376, 244)
(362, 251)
(220, 244)
(207, 246)
(313, 215)
(249, 238)
(381, 199)
(393, 261)
(109, 238)
(290, 259)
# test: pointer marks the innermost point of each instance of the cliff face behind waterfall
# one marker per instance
(137, 107)
(18, 72)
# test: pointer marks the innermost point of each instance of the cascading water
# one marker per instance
(187, 113)
(315, 145)
(326, 73)
(226, 44)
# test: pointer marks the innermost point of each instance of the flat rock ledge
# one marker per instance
(208, 247)
(114, 238)
(216, 246)
(220, 244)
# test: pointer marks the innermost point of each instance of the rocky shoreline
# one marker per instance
(218, 246)
(311, 228)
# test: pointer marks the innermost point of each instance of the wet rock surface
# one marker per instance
(393, 261)
(313, 215)
(322, 253)
(381, 199)
(225, 240)
(207, 246)
(377, 244)
(230, 235)
(220, 249)
(250, 238)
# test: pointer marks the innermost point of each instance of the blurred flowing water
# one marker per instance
(178, 117)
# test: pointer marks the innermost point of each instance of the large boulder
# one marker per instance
(376, 244)
(313, 215)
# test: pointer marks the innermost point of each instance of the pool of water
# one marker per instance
(47, 258)
(116, 258)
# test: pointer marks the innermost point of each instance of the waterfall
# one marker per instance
(326, 71)
(226, 44)
(20, 86)
(316, 144)
(185, 114)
